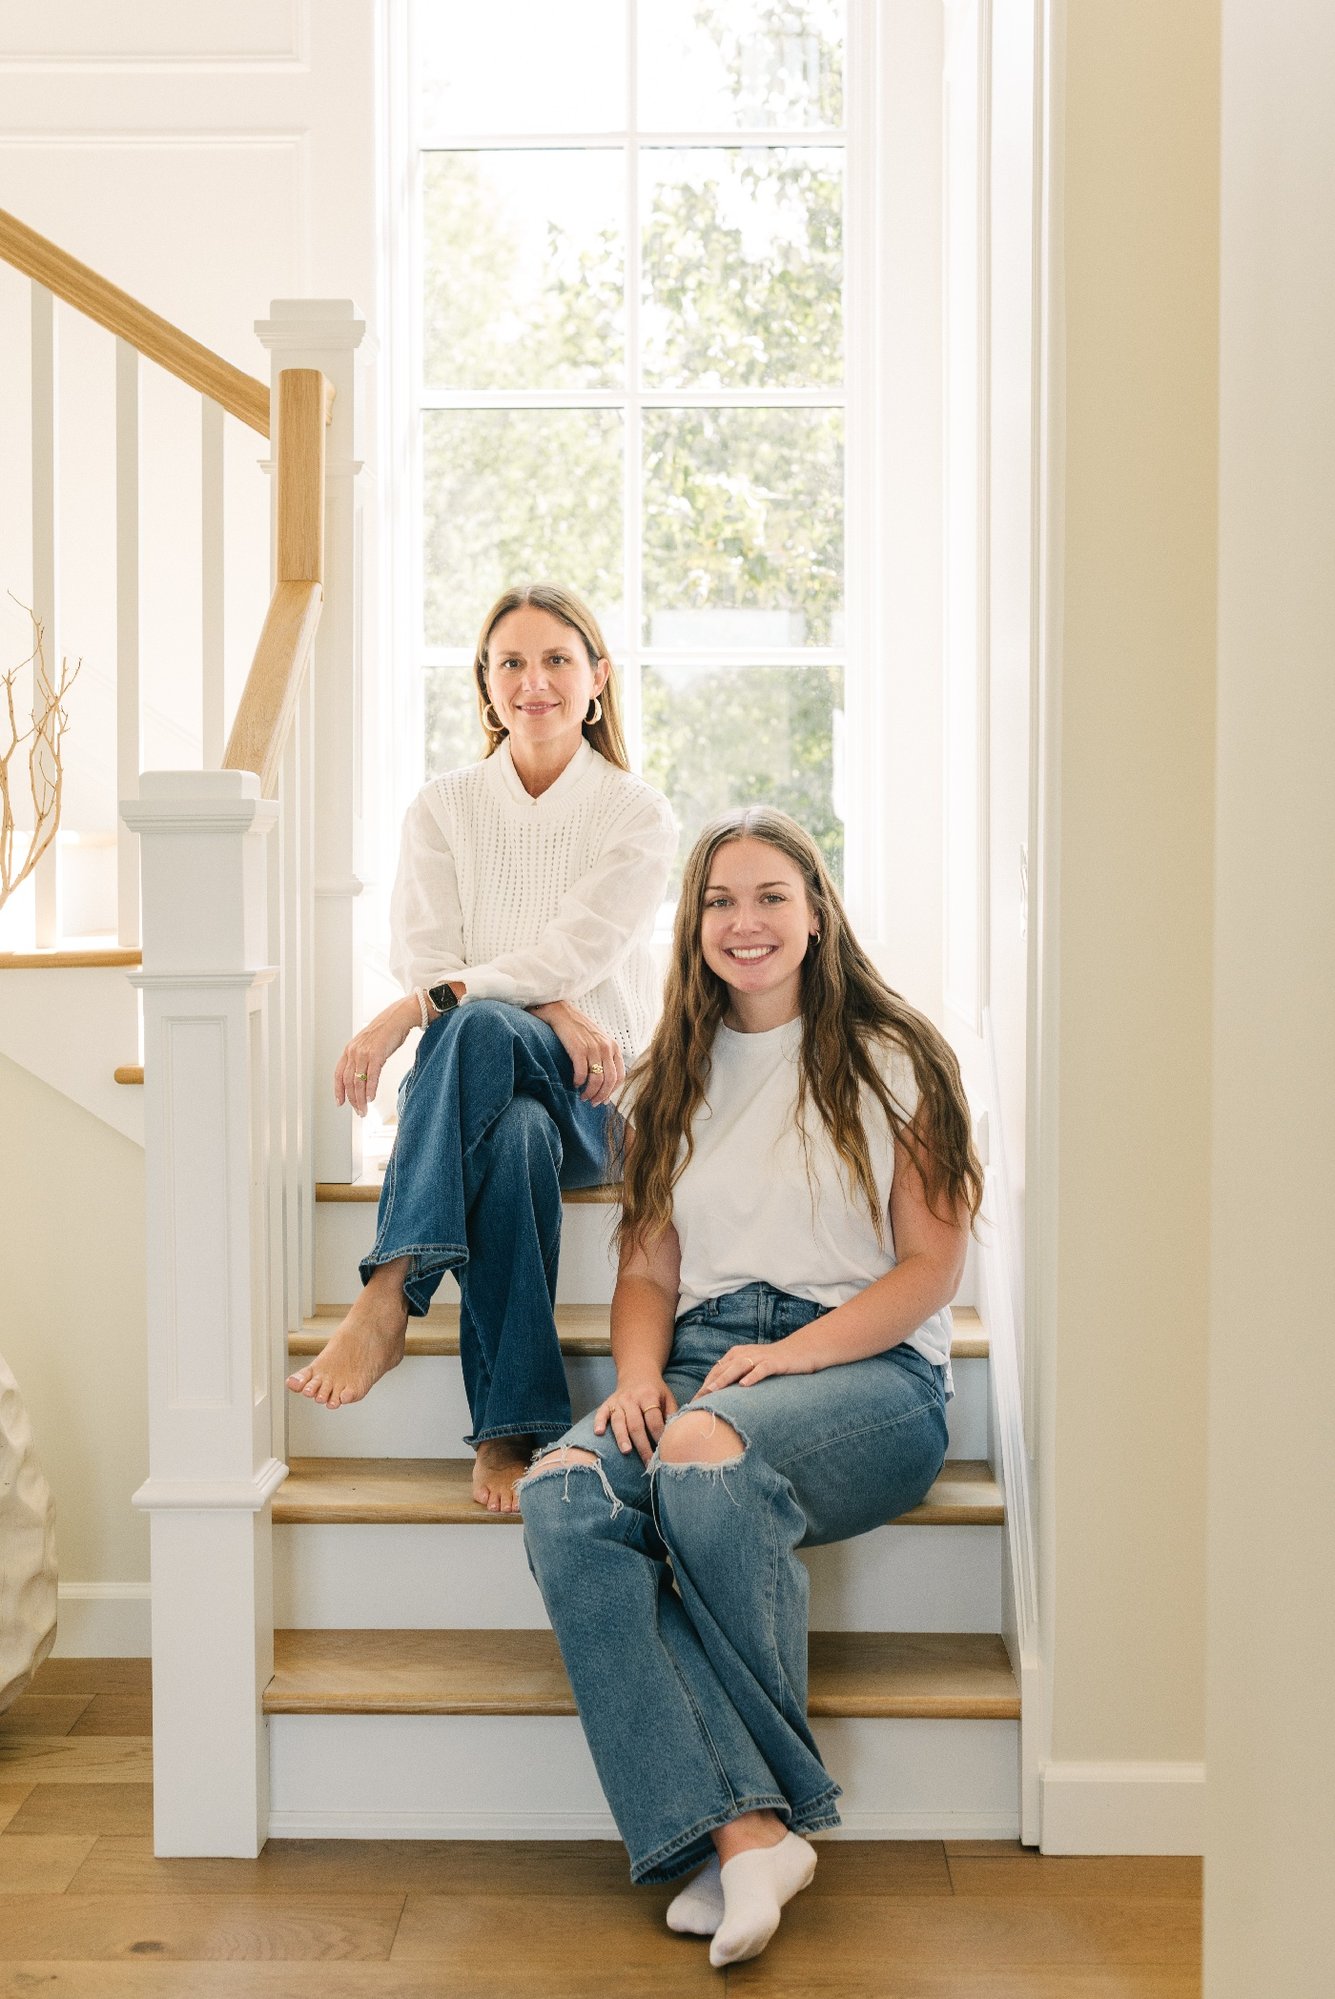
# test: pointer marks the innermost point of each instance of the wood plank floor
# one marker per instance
(86, 1912)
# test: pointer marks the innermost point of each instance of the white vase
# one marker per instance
(27, 1549)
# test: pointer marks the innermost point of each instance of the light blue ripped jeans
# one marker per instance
(691, 1679)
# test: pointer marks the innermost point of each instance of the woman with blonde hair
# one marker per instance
(799, 1189)
(521, 915)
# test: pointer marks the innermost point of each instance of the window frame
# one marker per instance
(891, 625)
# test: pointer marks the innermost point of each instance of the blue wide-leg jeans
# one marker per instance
(490, 1130)
(676, 1594)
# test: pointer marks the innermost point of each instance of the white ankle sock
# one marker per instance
(698, 1910)
(756, 1884)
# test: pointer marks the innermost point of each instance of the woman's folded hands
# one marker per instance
(595, 1056)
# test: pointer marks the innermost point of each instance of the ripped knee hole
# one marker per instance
(699, 1436)
(559, 1460)
(567, 1458)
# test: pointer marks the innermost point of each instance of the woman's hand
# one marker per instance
(637, 1411)
(743, 1367)
(357, 1071)
(594, 1055)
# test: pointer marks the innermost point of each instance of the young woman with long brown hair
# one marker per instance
(799, 1189)
(527, 889)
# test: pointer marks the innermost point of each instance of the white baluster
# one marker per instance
(46, 569)
(329, 334)
(211, 579)
(129, 744)
(212, 1471)
(304, 1084)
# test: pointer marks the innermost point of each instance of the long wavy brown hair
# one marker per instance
(849, 1018)
(607, 735)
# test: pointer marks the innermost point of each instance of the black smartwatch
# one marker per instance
(442, 997)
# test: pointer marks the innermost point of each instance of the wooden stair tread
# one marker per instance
(369, 1190)
(926, 1675)
(436, 1491)
(67, 961)
(583, 1330)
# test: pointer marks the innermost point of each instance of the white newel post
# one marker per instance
(211, 1469)
(330, 334)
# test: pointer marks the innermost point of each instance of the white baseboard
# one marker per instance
(103, 1621)
(364, 1824)
(1123, 1807)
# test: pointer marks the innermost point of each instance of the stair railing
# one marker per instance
(242, 879)
(248, 976)
(224, 391)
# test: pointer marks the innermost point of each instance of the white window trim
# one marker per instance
(891, 778)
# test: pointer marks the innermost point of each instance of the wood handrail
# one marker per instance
(156, 338)
(264, 715)
(273, 683)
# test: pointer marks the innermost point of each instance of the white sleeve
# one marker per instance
(425, 916)
(599, 920)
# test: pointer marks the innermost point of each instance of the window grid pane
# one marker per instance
(713, 556)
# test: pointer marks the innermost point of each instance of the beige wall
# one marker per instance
(1122, 1442)
(72, 1319)
(1270, 1847)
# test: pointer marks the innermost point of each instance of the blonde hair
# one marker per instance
(849, 1016)
(606, 735)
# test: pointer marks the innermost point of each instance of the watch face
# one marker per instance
(443, 997)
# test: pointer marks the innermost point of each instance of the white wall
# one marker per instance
(72, 1328)
(207, 159)
(1270, 1853)
(1122, 1416)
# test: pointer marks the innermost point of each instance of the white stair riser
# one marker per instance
(420, 1411)
(345, 1231)
(361, 1577)
(531, 1777)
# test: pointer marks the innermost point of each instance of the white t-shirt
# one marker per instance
(534, 899)
(747, 1210)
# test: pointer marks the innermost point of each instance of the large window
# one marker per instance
(630, 364)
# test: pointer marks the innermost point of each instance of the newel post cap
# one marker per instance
(210, 801)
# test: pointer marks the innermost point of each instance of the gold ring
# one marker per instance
(595, 1068)
(359, 1076)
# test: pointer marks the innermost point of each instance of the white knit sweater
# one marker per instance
(533, 899)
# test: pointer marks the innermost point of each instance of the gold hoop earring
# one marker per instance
(592, 721)
(497, 727)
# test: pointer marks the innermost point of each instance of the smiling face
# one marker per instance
(755, 926)
(540, 680)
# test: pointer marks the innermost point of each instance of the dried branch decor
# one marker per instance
(43, 739)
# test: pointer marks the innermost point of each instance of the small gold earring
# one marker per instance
(592, 721)
(496, 725)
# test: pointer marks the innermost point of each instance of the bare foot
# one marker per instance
(496, 1468)
(369, 1343)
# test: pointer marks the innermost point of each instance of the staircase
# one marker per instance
(343, 1645)
(417, 1690)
